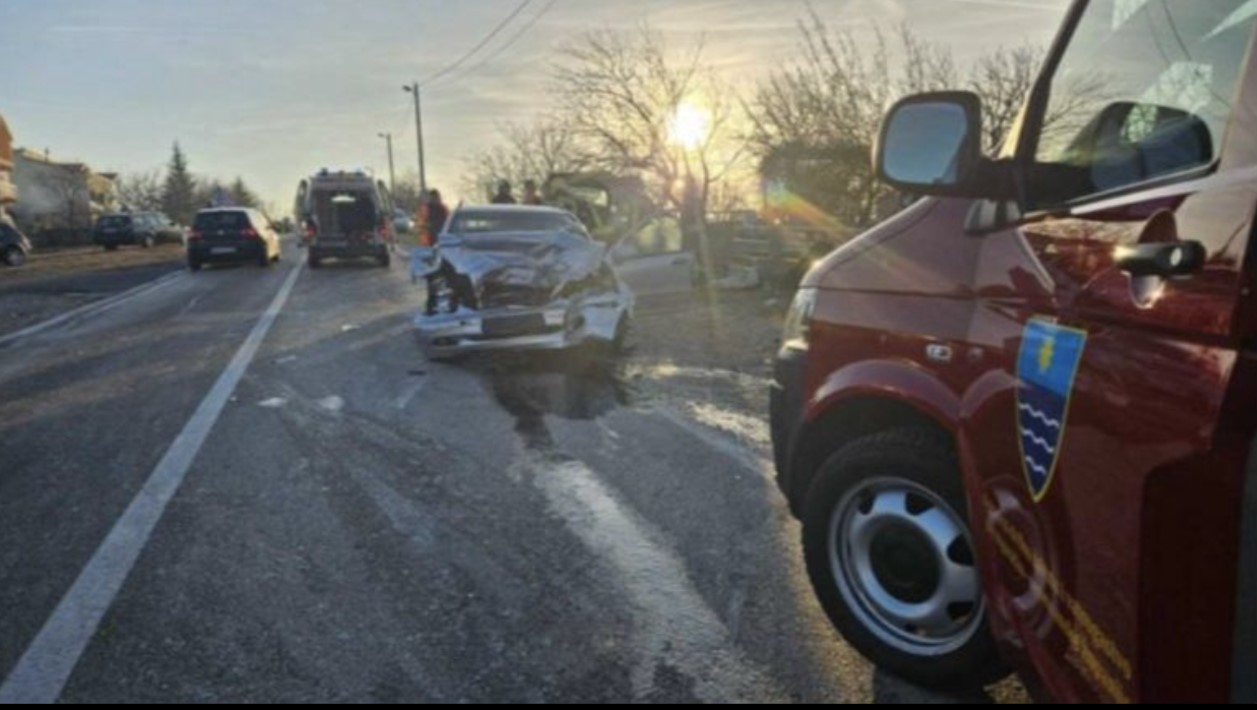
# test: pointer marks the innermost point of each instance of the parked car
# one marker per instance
(1016, 419)
(345, 215)
(144, 229)
(519, 278)
(403, 223)
(15, 248)
(232, 235)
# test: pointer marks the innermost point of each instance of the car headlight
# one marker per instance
(799, 320)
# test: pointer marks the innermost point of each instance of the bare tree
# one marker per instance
(141, 192)
(532, 151)
(69, 185)
(1004, 78)
(815, 122)
(623, 91)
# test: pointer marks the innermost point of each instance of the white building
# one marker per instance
(56, 195)
(7, 193)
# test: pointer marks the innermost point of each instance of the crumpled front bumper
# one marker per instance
(558, 326)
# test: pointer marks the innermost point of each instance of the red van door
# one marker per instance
(1111, 510)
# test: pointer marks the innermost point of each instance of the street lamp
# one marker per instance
(423, 173)
(392, 175)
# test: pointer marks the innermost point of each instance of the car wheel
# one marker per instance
(147, 243)
(194, 266)
(264, 261)
(14, 256)
(111, 247)
(891, 558)
(316, 261)
(385, 260)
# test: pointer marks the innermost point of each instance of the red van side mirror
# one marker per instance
(931, 145)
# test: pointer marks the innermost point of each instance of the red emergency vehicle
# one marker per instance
(1017, 420)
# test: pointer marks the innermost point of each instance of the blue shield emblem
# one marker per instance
(1046, 370)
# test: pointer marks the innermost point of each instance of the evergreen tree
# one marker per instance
(242, 196)
(178, 197)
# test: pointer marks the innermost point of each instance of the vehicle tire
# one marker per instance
(194, 266)
(147, 243)
(316, 261)
(888, 548)
(385, 259)
(111, 247)
(264, 261)
(14, 256)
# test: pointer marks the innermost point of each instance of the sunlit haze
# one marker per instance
(269, 89)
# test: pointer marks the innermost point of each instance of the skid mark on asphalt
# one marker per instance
(676, 630)
(748, 459)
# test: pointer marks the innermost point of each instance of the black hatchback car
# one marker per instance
(232, 235)
(143, 229)
(14, 246)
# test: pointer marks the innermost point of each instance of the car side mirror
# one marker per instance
(931, 145)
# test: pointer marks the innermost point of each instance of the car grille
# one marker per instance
(515, 326)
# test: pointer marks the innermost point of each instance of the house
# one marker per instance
(7, 193)
(59, 195)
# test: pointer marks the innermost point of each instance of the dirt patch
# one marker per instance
(84, 260)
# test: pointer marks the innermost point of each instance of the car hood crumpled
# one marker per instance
(543, 262)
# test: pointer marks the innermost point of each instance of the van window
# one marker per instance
(1144, 91)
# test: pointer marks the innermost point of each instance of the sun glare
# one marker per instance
(689, 126)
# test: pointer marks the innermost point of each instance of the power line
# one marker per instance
(483, 43)
(517, 36)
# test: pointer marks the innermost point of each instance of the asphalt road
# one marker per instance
(201, 502)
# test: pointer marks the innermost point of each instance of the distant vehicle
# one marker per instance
(142, 229)
(232, 235)
(528, 278)
(14, 246)
(402, 222)
(345, 215)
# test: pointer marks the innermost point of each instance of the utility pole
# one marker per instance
(423, 173)
(392, 175)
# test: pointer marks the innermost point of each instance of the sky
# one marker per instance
(273, 90)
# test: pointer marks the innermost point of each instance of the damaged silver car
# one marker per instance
(518, 278)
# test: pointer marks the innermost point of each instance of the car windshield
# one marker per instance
(470, 223)
(211, 221)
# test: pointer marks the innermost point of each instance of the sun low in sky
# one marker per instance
(271, 90)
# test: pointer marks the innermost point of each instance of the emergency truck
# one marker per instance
(1017, 420)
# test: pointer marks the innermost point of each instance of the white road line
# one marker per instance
(90, 309)
(45, 668)
(673, 624)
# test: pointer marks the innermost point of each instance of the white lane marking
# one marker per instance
(408, 396)
(332, 404)
(673, 626)
(91, 309)
(273, 403)
(41, 674)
